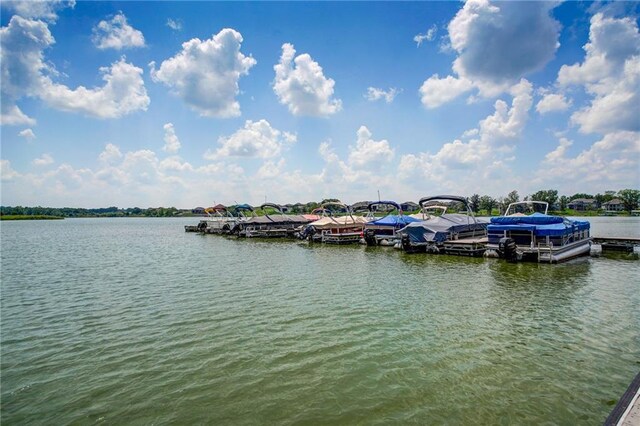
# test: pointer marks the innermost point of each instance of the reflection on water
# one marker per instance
(137, 320)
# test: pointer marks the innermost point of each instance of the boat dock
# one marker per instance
(625, 244)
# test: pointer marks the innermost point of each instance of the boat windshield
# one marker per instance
(526, 208)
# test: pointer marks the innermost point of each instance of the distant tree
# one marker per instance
(487, 203)
(512, 197)
(474, 203)
(581, 195)
(630, 198)
(564, 200)
(550, 196)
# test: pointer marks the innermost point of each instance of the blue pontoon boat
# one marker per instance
(384, 231)
(527, 232)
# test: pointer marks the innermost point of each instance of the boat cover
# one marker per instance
(277, 219)
(394, 220)
(544, 230)
(339, 222)
(532, 219)
(437, 229)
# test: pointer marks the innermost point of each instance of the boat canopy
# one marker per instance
(243, 207)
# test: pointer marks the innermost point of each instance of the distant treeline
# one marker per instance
(100, 212)
(623, 200)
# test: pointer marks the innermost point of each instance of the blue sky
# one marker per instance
(183, 104)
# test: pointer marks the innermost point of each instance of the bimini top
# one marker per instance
(532, 219)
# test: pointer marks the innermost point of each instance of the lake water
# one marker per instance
(136, 321)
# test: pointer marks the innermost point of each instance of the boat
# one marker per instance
(384, 231)
(334, 229)
(451, 233)
(528, 232)
(278, 225)
(218, 219)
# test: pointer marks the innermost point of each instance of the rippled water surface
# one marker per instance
(136, 321)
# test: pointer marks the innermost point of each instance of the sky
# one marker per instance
(184, 104)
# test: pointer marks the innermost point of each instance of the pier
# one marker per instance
(625, 244)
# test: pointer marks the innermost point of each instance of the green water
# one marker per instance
(135, 321)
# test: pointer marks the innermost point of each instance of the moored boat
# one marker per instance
(452, 233)
(384, 230)
(271, 225)
(333, 229)
(528, 232)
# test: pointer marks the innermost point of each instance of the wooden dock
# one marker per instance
(624, 244)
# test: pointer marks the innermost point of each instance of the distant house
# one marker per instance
(583, 204)
(198, 210)
(615, 205)
(409, 206)
(360, 206)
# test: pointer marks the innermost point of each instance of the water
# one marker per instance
(135, 321)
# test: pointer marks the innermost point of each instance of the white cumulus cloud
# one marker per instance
(117, 34)
(496, 45)
(205, 74)
(38, 9)
(301, 85)
(26, 74)
(552, 102)
(171, 141)
(43, 160)
(27, 134)
(610, 73)
(485, 156)
(256, 139)
(374, 94)
(368, 152)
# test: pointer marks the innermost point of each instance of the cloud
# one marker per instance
(428, 36)
(27, 134)
(174, 24)
(110, 154)
(123, 93)
(255, 140)
(496, 45)
(116, 34)
(610, 73)
(171, 141)
(6, 171)
(26, 74)
(205, 74)
(301, 85)
(43, 160)
(38, 9)
(551, 102)
(374, 94)
(437, 91)
(368, 152)
(485, 156)
(611, 162)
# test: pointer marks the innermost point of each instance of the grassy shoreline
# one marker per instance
(29, 217)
